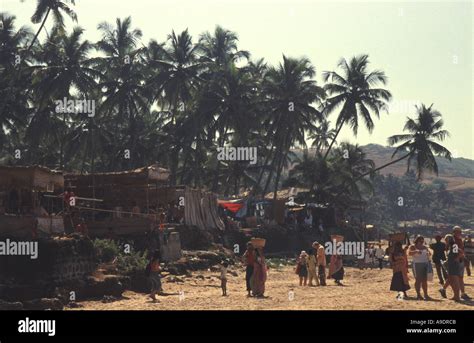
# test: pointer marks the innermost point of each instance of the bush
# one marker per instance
(106, 250)
(129, 264)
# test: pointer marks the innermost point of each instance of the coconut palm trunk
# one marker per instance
(373, 171)
(39, 30)
(333, 140)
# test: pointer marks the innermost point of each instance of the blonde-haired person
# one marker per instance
(302, 268)
(312, 263)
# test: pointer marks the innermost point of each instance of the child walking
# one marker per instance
(153, 271)
(224, 266)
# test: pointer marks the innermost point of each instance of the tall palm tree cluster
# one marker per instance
(177, 101)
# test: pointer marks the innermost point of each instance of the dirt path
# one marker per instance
(364, 290)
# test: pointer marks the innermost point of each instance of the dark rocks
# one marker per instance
(109, 299)
(193, 238)
(139, 283)
(97, 288)
(174, 279)
(74, 304)
(15, 292)
(43, 304)
(10, 306)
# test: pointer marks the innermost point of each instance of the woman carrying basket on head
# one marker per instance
(259, 276)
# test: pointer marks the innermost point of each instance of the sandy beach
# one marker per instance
(364, 290)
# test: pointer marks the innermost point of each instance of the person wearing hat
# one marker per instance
(439, 257)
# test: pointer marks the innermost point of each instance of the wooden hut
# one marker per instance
(24, 207)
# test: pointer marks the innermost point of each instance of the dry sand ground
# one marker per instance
(363, 290)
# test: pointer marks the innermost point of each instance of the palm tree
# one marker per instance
(126, 94)
(419, 143)
(322, 135)
(219, 54)
(356, 90)
(220, 48)
(291, 93)
(44, 8)
(14, 92)
(64, 65)
(175, 76)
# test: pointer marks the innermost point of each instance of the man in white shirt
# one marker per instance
(379, 255)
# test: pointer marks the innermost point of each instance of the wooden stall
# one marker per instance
(29, 200)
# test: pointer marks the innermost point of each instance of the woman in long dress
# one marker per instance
(259, 276)
(336, 269)
(399, 264)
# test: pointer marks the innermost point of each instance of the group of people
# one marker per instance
(311, 266)
(373, 256)
(449, 258)
(303, 221)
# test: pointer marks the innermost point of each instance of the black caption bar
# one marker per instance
(409, 324)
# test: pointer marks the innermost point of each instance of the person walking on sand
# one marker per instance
(439, 256)
(321, 258)
(420, 254)
(453, 266)
(379, 255)
(224, 266)
(249, 260)
(457, 233)
(153, 272)
(302, 268)
(366, 258)
(336, 269)
(259, 276)
(399, 263)
(312, 264)
(469, 252)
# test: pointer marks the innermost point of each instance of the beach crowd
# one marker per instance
(451, 258)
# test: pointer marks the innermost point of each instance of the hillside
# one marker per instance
(458, 167)
(458, 173)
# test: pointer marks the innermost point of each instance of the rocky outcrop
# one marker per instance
(43, 304)
(10, 306)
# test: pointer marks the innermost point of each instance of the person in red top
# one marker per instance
(154, 274)
(249, 260)
(82, 228)
(67, 195)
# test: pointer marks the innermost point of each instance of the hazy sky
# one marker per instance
(425, 48)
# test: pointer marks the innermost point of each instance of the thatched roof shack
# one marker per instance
(146, 186)
(142, 176)
(37, 178)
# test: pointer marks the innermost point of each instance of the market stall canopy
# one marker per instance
(232, 205)
(141, 176)
(36, 178)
